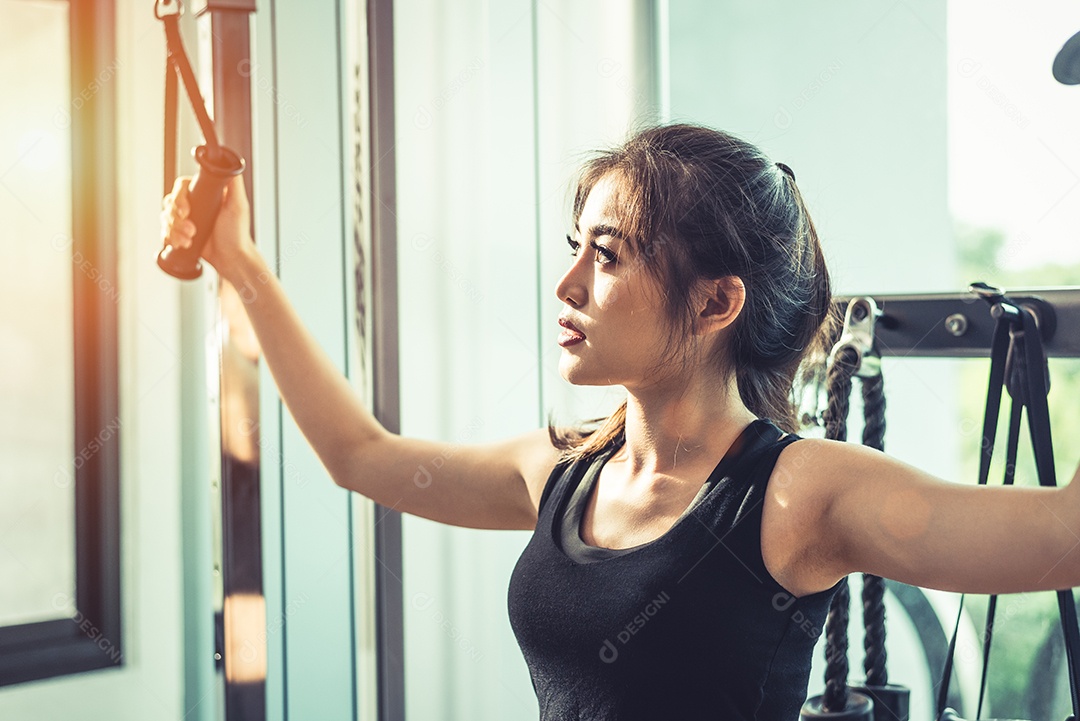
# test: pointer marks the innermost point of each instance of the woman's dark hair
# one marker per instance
(697, 203)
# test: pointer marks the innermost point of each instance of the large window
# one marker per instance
(1014, 168)
(59, 420)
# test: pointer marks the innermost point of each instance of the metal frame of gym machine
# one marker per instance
(959, 325)
(950, 325)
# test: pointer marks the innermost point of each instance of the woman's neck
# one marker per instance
(679, 425)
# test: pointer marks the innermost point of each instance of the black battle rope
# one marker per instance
(1016, 351)
(839, 379)
(873, 590)
(838, 391)
(835, 698)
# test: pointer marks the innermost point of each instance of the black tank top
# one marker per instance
(687, 627)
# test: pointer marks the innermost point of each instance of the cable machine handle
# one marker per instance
(204, 197)
(217, 164)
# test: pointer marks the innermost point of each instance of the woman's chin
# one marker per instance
(571, 371)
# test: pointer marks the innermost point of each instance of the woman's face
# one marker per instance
(612, 299)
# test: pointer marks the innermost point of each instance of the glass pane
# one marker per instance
(1013, 152)
(38, 459)
(1013, 156)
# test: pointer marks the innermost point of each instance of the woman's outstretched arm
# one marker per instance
(495, 485)
(837, 508)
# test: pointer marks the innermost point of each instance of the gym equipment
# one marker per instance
(956, 325)
(217, 164)
(857, 707)
(855, 354)
(1066, 66)
(1018, 362)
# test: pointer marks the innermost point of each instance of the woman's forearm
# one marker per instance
(323, 403)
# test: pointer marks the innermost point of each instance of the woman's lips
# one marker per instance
(571, 335)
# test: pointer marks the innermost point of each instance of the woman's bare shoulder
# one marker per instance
(536, 459)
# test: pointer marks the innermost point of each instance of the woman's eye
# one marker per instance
(603, 255)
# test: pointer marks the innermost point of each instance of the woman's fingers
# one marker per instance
(182, 233)
(176, 229)
(179, 195)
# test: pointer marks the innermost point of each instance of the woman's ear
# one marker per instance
(722, 301)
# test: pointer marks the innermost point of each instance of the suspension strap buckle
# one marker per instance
(1001, 306)
(858, 334)
(1012, 313)
(164, 8)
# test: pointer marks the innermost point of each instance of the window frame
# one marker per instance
(91, 638)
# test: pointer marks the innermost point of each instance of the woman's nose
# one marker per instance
(570, 289)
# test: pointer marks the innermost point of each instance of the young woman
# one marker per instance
(684, 553)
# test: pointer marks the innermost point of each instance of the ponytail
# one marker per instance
(769, 359)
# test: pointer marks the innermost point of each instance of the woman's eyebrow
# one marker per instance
(603, 229)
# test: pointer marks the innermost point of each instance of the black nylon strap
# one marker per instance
(946, 673)
(999, 353)
(999, 349)
(1032, 393)
(171, 113)
(179, 60)
(1041, 441)
(1015, 413)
